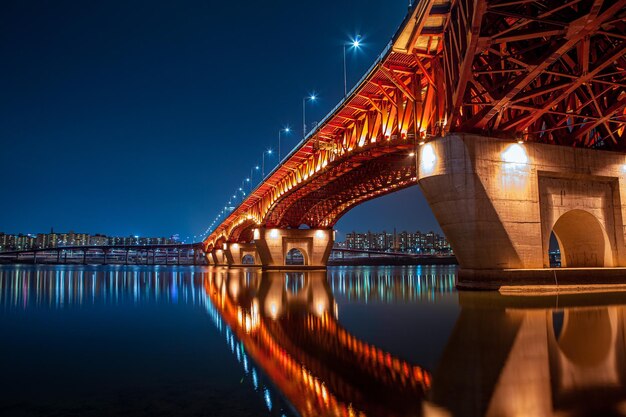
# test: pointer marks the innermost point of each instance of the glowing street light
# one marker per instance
(286, 130)
(355, 44)
(269, 152)
(311, 97)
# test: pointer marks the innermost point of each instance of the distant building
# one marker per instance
(9, 242)
(98, 240)
(408, 242)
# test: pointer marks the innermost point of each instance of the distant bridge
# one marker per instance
(183, 254)
(164, 254)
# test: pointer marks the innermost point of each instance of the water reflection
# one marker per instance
(287, 323)
(24, 287)
(393, 284)
(533, 356)
(503, 355)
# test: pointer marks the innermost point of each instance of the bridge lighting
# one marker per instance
(310, 97)
(515, 154)
(412, 154)
(286, 130)
(319, 234)
(354, 44)
(427, 158)
(269, 152)
(274, 233)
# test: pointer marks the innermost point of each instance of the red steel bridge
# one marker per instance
(533, 72)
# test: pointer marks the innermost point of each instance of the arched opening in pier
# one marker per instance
(582, 240)
(247, 259)
(554, 251)
(584, 337)
(294, 257)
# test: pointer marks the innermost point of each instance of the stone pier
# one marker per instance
(312, 245)
(498, 202)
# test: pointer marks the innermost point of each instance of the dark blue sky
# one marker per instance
(142, 117)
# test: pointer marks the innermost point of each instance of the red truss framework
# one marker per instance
(549, 71)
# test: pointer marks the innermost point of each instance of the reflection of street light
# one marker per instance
(355, 43)
(286, 130)
(312, 97)
(269, 152)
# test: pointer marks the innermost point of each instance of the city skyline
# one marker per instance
(26, 241)
(106, 106)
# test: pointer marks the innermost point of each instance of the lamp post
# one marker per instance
(354, 44)
(286, 130)
(312, 97)
(269, 152)
(256, 168)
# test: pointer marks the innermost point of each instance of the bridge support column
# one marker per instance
(273, 245)
(242, 254)
(210, 258)
(222, 257)
(498, 202)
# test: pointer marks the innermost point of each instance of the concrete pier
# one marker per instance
(498, 202)
(274, 246)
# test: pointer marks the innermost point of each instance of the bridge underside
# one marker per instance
(369, 174)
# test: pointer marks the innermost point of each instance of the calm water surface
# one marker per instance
(352, 341)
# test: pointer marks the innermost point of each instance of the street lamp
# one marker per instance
(311, 97)
(256, 168)
(269, 152)
(355, 43)
(286, 130)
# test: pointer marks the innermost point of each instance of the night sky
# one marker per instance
(143, 117)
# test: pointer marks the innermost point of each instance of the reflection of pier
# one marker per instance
(287, 323)
(534, 356)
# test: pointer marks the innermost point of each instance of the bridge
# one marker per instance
(508, 114)
(165, 254)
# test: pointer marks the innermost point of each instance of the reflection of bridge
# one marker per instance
(467, 80)
(287, 324)
(534, 356)
(167, 254)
